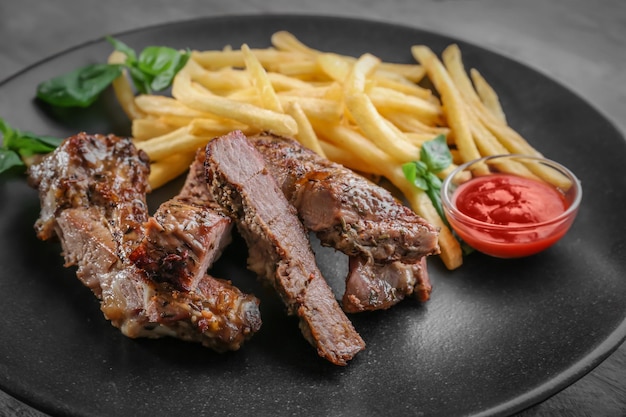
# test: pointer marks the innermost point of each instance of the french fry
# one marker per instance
(487, 95)
(370, 157)
(402, 85)
(306, 135)
(407, 123)
(260, 81)
(162, 105)
(334, 66)
(146, 128)
(178, 141)
(317, 108)
(286, 41)
(123, 90)
(206, 127)
(221, 81)
(373, 125)
(270, 58)
(166, 170)
(388, 99)
(282, 82)
(456, 113)
(248, 114)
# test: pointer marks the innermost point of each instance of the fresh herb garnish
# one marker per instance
(152, 70)
(17, 145)
(435, 156)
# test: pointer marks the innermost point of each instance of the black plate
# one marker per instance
(497, 335)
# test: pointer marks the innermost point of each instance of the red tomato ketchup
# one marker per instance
(509, 216)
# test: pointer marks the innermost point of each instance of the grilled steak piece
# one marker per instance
(344, 209)
(372, 286)
(94, 171)
(185, 235)
(280, 251)
(92, 191)
(386, 241)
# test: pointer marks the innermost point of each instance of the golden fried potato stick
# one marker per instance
(260, 81)
(146, 128)
(178, 141)
(404, 86)
(286, 41)
(317, 108)
(222, 81)
(375, 127)
(423, 110)
(367, 155)
(409, 124)
(334, 66)
(251, 115)
(513, 142)
(487, 95)
(270, 58)
(123, 89)
(306, 134)
(162, 105)
(452, 101)
(282, 82)
(324, 90)
(207, 127)
(164, 171)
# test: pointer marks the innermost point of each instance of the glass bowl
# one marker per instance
(511, 206)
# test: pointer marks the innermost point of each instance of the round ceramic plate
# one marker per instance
(496, 337)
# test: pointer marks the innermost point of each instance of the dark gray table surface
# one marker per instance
(580, 43)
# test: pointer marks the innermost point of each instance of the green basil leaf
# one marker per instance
(156, 59)
(162, 63)
(24, 144)
(421, 183)
(9, 159)
(436, 154)
(415, 172)
(141, 80)
(410, 171)
(435, 197)
(131, 55)
(7, 131)
(79, 88)
(27, 144)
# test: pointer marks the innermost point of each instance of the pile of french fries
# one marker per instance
(368, 115)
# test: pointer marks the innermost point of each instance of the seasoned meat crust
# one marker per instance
(279, 248)
(92, 192)
(372, 286)
(344, 209)
(185, 235)
(385, 241)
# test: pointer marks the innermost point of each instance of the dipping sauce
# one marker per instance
(509, 206)
(512, 215)
(509, 200)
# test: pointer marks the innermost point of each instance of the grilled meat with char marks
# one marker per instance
(385, 240)
(344, 209)
(279, 248)
(185, 235)
(92, 192)
(372, 286)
